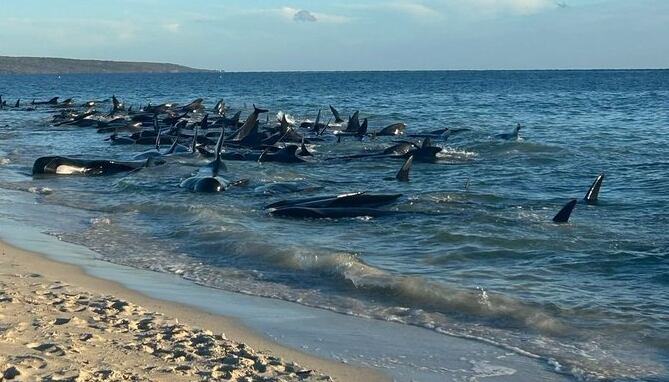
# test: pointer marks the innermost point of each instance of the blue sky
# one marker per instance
(251, 35)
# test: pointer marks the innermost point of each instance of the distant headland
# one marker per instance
(50, 65)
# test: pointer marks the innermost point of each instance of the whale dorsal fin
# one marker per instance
(317, 121)
(363, 128)
(217, 164)
(353, 123)
(403, 173)
(593, 193)
(565, 212)
(303, 150)
(325, 127)
(285, 125)
(335, 113)
(155, 126)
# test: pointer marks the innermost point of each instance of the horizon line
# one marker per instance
(222, 70)
(432, 70)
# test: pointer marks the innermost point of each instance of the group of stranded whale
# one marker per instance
(192, 130)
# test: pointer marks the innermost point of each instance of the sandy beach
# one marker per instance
(59, 324)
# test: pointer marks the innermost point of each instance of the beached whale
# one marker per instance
(334, 207)
(212, 182)
(208, 178)
(356, 199)
(331, 213)
(60, 165)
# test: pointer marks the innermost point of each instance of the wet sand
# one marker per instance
(58, 323)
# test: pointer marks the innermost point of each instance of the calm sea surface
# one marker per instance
(478, 255)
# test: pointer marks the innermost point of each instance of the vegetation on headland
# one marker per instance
(49, 65)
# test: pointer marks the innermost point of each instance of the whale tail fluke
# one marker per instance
(593, 192)
(565, 212)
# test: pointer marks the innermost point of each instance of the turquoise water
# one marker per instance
(478, 258)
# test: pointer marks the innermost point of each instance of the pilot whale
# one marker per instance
(60, 165)
(208, 179)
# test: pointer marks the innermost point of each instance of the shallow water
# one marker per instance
(476, 255)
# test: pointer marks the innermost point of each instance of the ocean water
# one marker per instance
(474, 252)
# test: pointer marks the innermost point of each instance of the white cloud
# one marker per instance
(414, 9)
(302, 15)
(522, 7)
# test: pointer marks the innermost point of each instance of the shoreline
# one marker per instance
(347, 348)
(42, 272)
